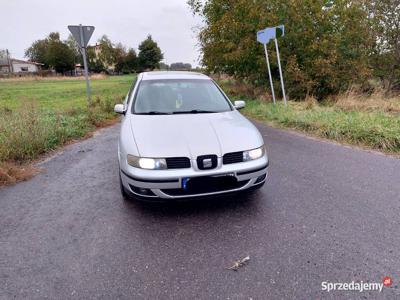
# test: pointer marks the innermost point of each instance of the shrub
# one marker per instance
(23, 133)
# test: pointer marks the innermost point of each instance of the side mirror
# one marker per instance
(119, 109)
(239, 104)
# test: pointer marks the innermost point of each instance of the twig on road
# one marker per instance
(239, 263)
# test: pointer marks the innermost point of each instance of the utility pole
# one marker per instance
(10, 68)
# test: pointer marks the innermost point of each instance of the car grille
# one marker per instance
(178, 162)
(232, 158)
(207, 184)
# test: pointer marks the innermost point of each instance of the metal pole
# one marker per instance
(280, 71)
(85, 65)
(269, 73)
(10, 68)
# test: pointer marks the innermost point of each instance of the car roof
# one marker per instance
(157, 75)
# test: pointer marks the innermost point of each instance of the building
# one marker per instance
(17, 66)
(22, 66)
(5, 66)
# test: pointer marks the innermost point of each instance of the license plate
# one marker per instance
(186, 180)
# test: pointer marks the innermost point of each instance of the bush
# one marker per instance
(23, 134)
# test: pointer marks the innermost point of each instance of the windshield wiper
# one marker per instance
(153, 113)
(194, 111)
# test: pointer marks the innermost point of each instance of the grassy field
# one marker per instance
(375, 130)
(368, 121)
(39, 115)
(60, 94)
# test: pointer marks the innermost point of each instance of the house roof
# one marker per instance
(26, 62)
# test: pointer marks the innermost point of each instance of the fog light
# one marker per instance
(260, 179)
(141, 191)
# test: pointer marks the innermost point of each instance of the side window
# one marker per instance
(128, 98)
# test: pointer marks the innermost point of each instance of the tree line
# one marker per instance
(105, 56)
(329, 44)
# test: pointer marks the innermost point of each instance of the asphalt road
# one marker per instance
(328, 213)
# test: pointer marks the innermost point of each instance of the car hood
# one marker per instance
(191, 135)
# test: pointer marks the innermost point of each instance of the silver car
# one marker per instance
(181, 137)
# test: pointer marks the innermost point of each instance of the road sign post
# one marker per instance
(269, 73)
(82, 35)
(280, 70)
(264, 37)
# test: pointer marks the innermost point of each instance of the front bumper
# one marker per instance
(168, 184)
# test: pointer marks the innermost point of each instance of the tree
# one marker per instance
(181, 66)
(119, 56)
(75, 48)
(164, 66)
(103, 56)
(131, 62)
(126, 61)
(385, 16)
(37, 52)
(325, 49)
(94, 64)
(52, 52)
(150, 54)
(58, 55)
(107, 54)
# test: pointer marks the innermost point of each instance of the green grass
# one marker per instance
(377, 130)
(60, 94)
(372, 122)
(40, 115)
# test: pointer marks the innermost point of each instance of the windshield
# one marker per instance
(179, 97)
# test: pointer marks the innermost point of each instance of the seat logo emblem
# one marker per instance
(207, 163)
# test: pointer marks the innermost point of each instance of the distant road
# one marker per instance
(327, 213)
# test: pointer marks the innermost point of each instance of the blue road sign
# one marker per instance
(264, 36)
(270, 33)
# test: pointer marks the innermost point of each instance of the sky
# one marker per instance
(170, 22)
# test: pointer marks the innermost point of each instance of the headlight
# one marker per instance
(147, 163)
(253, 154)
